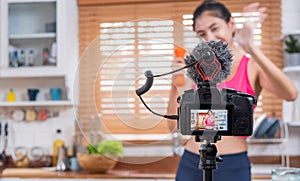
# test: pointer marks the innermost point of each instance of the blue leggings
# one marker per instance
(235, 167)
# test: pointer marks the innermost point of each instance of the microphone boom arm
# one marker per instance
(145, 88)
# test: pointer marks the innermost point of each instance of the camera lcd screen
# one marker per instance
(209, 119)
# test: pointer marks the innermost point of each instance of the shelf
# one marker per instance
(293, 123)
(36, 103)
(28, 1)
(291, 69)
(267, 141)
(295, 32)
(33, 36)
(23, 72)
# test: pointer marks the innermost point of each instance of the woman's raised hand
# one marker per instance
(244, 36)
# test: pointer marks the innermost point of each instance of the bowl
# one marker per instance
(95, 163)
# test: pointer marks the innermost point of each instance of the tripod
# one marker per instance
(208, 152)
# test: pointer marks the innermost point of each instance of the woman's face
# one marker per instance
(209, 27)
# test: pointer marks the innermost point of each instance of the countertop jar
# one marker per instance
(20, 157)
(38, 157)
(33, 157)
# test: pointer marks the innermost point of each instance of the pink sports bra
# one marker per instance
(240, 81)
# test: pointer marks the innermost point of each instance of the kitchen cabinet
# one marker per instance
(37, 50)
(38, 25)
(31, 44)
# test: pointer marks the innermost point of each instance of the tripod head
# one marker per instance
(208, 153)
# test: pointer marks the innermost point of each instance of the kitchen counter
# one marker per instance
(117, 174)
(114, 174)
(163, 169)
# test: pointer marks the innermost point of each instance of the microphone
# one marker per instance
(208, 62)
(211, 60)
(142, 90)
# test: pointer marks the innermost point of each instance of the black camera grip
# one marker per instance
(140, 91)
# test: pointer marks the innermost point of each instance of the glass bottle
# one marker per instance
(31, 58)
(11, 96)
(15, 60)
(45, 56)
(58, 142)
(22, 58)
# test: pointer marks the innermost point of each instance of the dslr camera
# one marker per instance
(208, 108)
(228, 112)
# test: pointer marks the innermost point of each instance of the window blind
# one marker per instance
(133, 48)
(130, 38)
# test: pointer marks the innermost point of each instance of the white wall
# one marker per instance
(41, 134)
(290, 16)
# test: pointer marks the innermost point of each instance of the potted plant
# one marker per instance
(292, 49)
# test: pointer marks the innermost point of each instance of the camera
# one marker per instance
(226, 112)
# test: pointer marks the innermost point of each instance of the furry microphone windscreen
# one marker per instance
(197, 56)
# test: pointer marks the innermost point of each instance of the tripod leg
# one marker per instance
(208, 154)
(207, 175)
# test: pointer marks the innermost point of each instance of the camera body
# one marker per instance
(227, 112)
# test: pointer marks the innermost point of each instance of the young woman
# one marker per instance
(249, 74)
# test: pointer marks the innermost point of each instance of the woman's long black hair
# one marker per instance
(215, 9)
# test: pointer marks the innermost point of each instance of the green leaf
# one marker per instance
(92, 149)
(108, 147)
(292, 45)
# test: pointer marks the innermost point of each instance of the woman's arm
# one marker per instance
(270, 77)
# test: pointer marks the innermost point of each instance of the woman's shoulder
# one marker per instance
(253, 66)
(253, 75)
